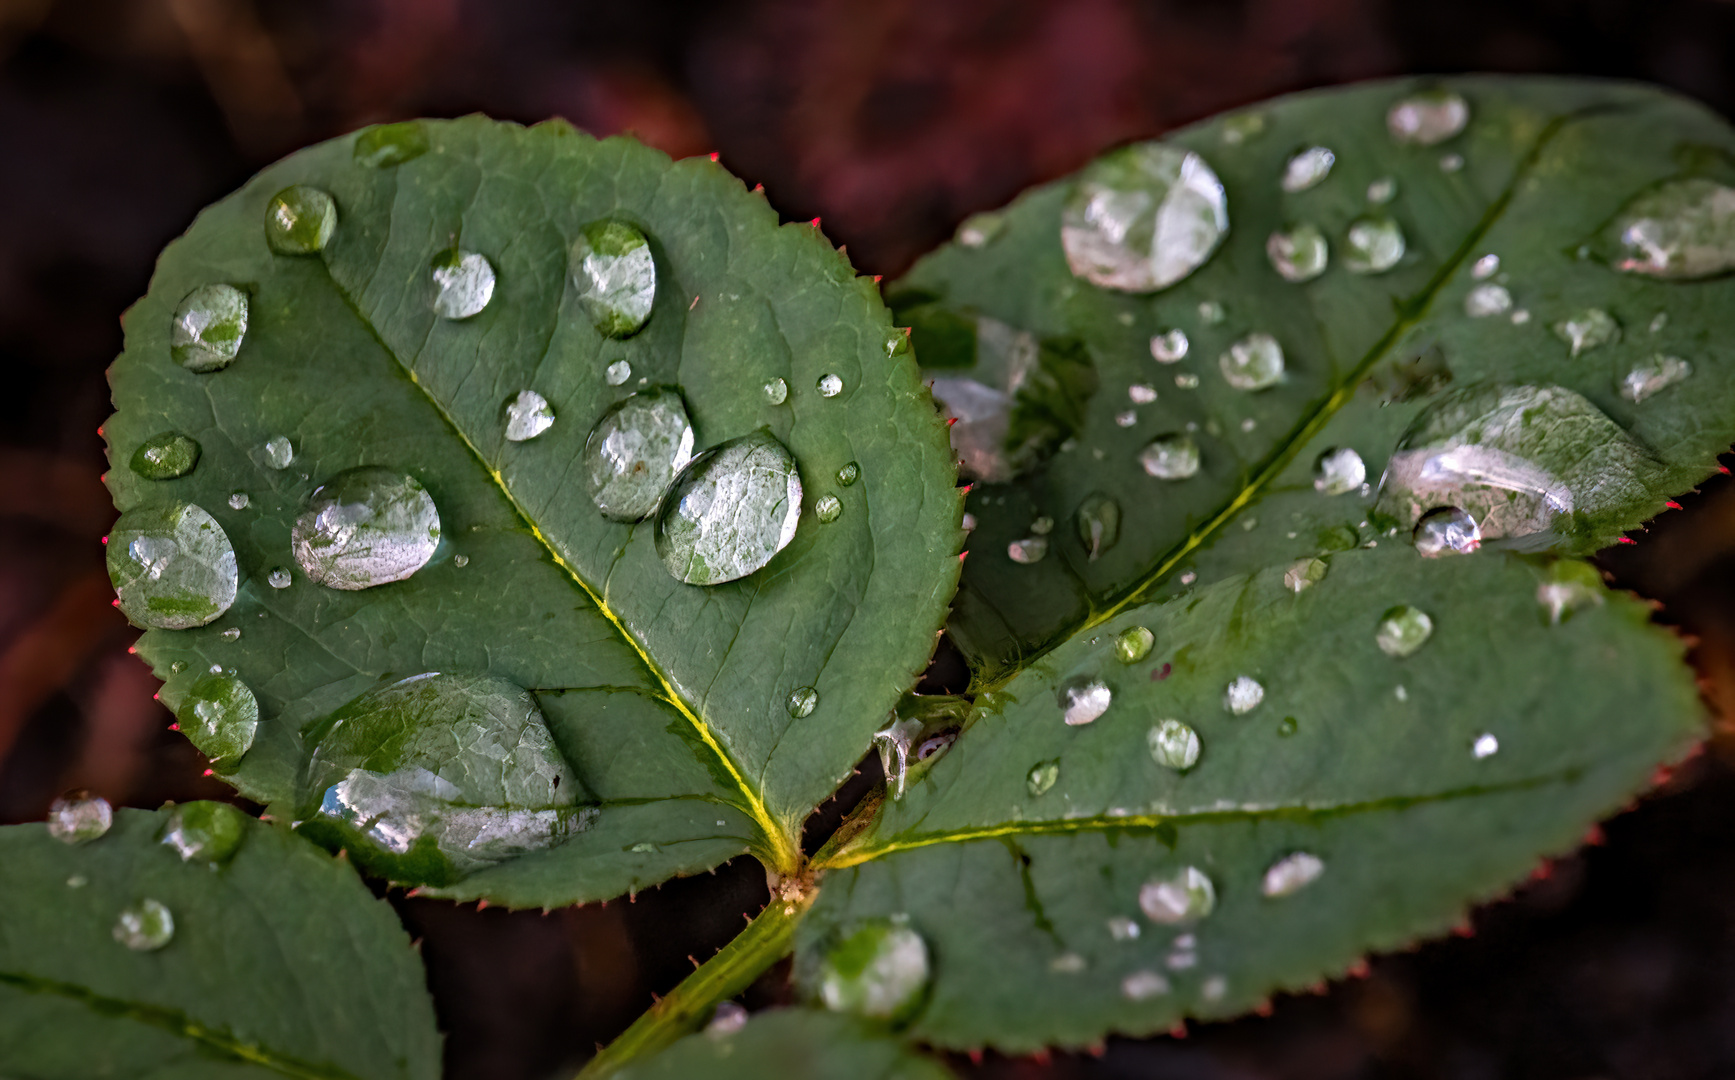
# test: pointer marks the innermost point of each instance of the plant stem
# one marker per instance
(766, 940)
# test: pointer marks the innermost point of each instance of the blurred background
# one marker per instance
(891, 120)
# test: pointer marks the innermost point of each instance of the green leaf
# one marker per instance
(280, 962)
(668, 701)
(800, 1044)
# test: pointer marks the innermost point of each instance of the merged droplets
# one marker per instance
(1083, 699)
(300, 220)
(1402, 630)
(1099, 524)
(1133, 644)
(527, 415)
(1300, 254)
(1171, 457)
(616, 277)
(1253, 363)
(1291, 874)
(1170, 346)
(1678, 230)
(1427, 118)
(1446, 530)
(1339, 471)
(220, 716)
(172, 566)
(1588, 329)
(730, 510)
(366, 527)
(389, 145)
(1243, 695)
(209, 327)
(79, 817)
(877, 968)
(165, 455)
(1143, 218)
(1307, 167)
(1173, 745)
(207, 831)
(1649, 376)
(1041, 777)
(1373, 245)
(463, 283)
(1180, 899)
(145, 926)
(1487, 300)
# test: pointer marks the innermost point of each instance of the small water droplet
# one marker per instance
(365, 527)
(1451, 163)
(1307, 168)
(617, 373)
(1143, 985)
(828, 508)
(177, 667)
(1133, 644)
(1253, 363)
(1067, 963)
(616, 277)
(1304, 574)
(1032, 549)
(389, 145)
(172, 566)
(1486, 300)
(1403, 630)
(238, 500)
(463, 283)
(1427, 118)
(877, 969)
(1243, 127)
(1287, 726)
(209, 327)
(1126, 419)
(829, 386)
(1382, 191)
(1189, 577)
(1446, 530)
(1485, 746)
(1211, 313)
(232, 634)
(1300, 254)
(978, 230)
(1122, 928)
(728, 1018)
(1174, 745)
(145, 926)
(208, 831)
(1099, 524)
(300, 220)
(1142, 218)
(1042, 777)
(165, 455)
(1083, 699)
(1587, 330)
(1520, 317)
(635, 451)
(967, 522)
(1649, 376)
(1572, 586)
(729, 510)
(280, 578)
(460, 561)
(1243, 695)
(848, 474)
(1338, 471)
(1169, 346)
(1171, 457)
(527, 415)
(1249, 424)
(1402, 693)
(219, 715)
(1485, 267)
(79, 817)
(1291, 874)
(278, 452)
(1658, 321)
(1187, 381)
(77, 881)
(1179, 900)
(776, 391)
(1373, 245)
(1142, 393)
(801, 702)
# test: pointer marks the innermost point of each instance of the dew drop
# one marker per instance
(1142, 393)
(1304, 574)
(219, 715)
(729, 510)
(1658, 321)
(1126, 419)
(1291, 874)
(635, 452)
(1451, 163)
(1650, 376)
(1520, 317)
(829, 386)
(616, 277)
(463, 283)
(1253, 363)
(165, 455)
(1402, 630)
(1133, 644)
(1571, 587)
(1485, 267)
(1122, 928)
(848, 474)
(877, 969)
(978, 230)
(1338, 471)
(209, 327)
(1587, 330)
(210, 832)
(527, 415)
(172, 566)
(1187, 381)
(801, 702)
(300, 220)
(365, 527)
(1678, 230)
(1042, 777)
(776, 391)
(1067, 963)
(1031, 549)
(390, 145)
(1307, 168)
(145, 926)
(1083, 699)
(1300, 254)
(1243, 695)
(280, 578)
(1486, 300)
(1179, 900)
(1099, 524)
(1287, 726)
(79, 817)
(1169, 346)
(232, 634)
(1171, 457)
(828, 508)
(967, 522)
(1446, 530)
(1211, 313)
(1174, 745)
(1144, 985)
(1485, 746)
(1427, 118)
(460, 561)
(278, 452)
(617, 373)
(1382, 191)
(1143, 218)
(238, 500)
(728, 1018)
(1373, 245)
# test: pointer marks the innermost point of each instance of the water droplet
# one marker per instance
(177, 667)
(616, 277)
(967, 522)
(801, 702)
(1678, 230)
(828, 508)
(460, 561)
(1485, 267)
(527, 415)
(1169, 346)
(1032, 549)
(220, 716)
(730, 510)
(1446, 530)
(463, 283)
(1304, 574)
(1042, 777)
(145, 926)
(1083, 699)
(79, 817)
(1485, 746)
(728, 1018)
(1650, 376)
(1587, 330)
(617, 373)
(1382, 191)
(1211, 313)
(1373, 245)
(280, 578)
(1287, 726)
(165, 456)
(829, 386)
(1658, 321)
(1174, 745)
(238, 500)
(1520, 317)
(1133, 644)
(849, 474)
(877, 969)
(1451, 163)
(1243, 695)
(1291, 874)
(1067, 963)
(1300, 254)
(1171, 457)
(1142, 393)
(1427, 118)
(1186, 381)
(1243, 127)
(172, 566)
(208, 831)
(1143, 218)
(389, 145)
(232, 634)
(366, 527)
(1307, 168)
(1253, 363)
(438, 775)
(635, 452)
(300, 220)
(77, 881)
(1179, 900)
(1122, 928)
(1572, 586)
(1403, 630)
(1486, 300)
(978, 229)
(1189, 577)
(278, 452)
(776, 391)
(1099, 524)
(1126, 419)
(1338, 471)
(1143, 985)
(209, 327)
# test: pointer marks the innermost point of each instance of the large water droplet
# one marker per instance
(366, 527)
(801, 702)
(145, 926)
(439, 775)
(165, 456)
(878, 969)
(278, 452)
(172, 566)
(1291, 874)
(1430, 117)
(220, 716)
(1571, 587)
(635, 452)
(1649, 376)
(1587, 330)
(1144, 985)
(1042, 777)
(1307, 168)
(1178, 900)
(1446, 530)
(616, 277)
(1339, 471)
(208, 831)
(730, 510)
(300, 220)
(209, 327)
(1169, 346)
(1253, 363)
(1171, 457)
(1402, 630)
(389, 145)
(1143, 218)
(79, 817)
(1304, 574)
(1133, 644)
(1174, 745)
(1487, 300)
(828, 508)
(463, 283)
(776, 391)
(1031, 549)
(1099, 524)
(1300, 254)
(1083, 699)
(1678, 230)
(1373, 245)
(1243, 695)
(848, 474)
(527, 415)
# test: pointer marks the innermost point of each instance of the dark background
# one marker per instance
(891, 120)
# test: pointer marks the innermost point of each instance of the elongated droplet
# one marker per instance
(1133, 644)
(366, 527)
(1243, 695)
(1253, 363)
(1299, 254)
(828, 508)
(1648, 377)
(172, 566)
(210, 832)
(1174, 745)
(389, 145)
(209, 327)
(279, 452)
(1042, 777)
(1180, 899)
(1427, 118)
(1339, 471)
(1083, 699)
(829, 386)
(1304, 574)
(145, 926)
(1171, 457)
(220, 716)
(616, 277)
(527, 415)
(801, 702)
(463, 283)
(1589, 329)
(635, 451)
(1678, 230)
(1571, 587)
(1143, 218)
(730, 510)
(1291, 873)
(878, 968)
(79, 817)
(1403, 630)
(1487, 300)
(1373, 245)
(1099, 524)
(300, 220)
(1169, 346)
(848, 474)
(1031, 549)
(1307, 168)
(165, 455)
(1446, 530)
(776, 391)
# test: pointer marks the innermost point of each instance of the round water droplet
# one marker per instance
(1307, 168)
(1174, 745)
(220, 716)
(1243, 695)
(208, 831)
(635, 452)
(1373, 245)
(1099, 524)
(300, 220)
(280, 578)
(1133, 644)
(79, 817)
(617, 373)
(801, 702)
(1403, 630)
(1032, 549)
(1178, 900)
(776, 391)
(463, 283)
(1300, 254)
(1143, 218)
(878, 969)
(1649, 376)
(165, 455)
(1169, 346)
(1338, 471)
(828, 508)
(366, 527)
(1211, 313)
(848, 474)
(460, 561)
(1171, 457)
(830, 386)
(730, 510)
(209, 327)
(1042, 777)
(1304, 574)
(388, 145)
(616, 277)
(1678, 230)
(1486, 300)
(278, 452)
(1485, 267)
(1485, 746)
(172, 566)
(527, 415)
(145, 926)
(1572, 586)
(1427, 118)
(1291, 874)
(1144, 985)
(1451, 163)
(1382, 191)
(238, 500)
(1253, 363)
(1083, 699)
(1446, 530)
(1287, 726)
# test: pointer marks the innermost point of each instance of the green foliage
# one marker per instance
(792, 1043)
